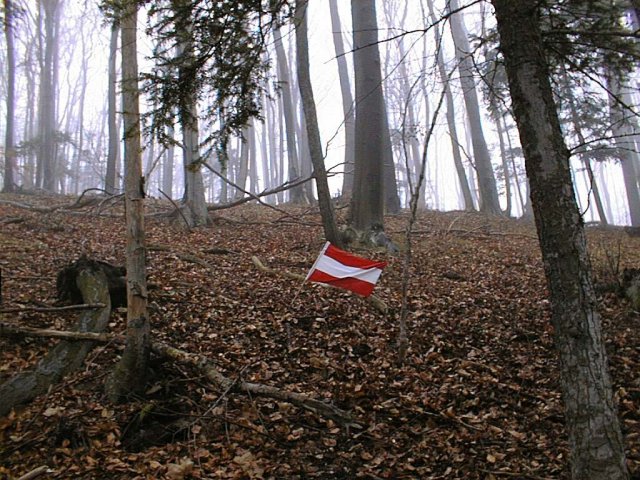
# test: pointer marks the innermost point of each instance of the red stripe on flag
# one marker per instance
(353, 284)
(351, 260)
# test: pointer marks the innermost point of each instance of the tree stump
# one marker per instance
(91, 282)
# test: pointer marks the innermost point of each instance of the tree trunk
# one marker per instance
(595, 440)
(593, 185)
(489, 202)
(313, 133)
(367, 202)
(624, 130)
(297, 194)
(46, 151)
(451, 117)
(167, 166)
(110, 182)
(129, 376)
(347, 100)
(194, 195)
(65, 357)
(9, 151)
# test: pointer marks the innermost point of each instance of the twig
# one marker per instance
(36, 472)
(178, 209)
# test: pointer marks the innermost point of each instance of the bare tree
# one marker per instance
(9, 155)
(347, 99)
(47, 110)
(129, 376)
(297, 194)
(367, 207)
(624, 130)
(489, 202)
(595, 439)
(110, 184)
(313, 132)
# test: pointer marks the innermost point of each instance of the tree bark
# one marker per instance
(313, 133)
(129, 376)
(595, 439)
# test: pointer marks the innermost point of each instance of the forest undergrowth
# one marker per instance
(477, 397)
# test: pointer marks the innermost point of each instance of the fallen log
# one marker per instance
(376, 302)
(203, 365)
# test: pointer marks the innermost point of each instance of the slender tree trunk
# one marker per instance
(595, 439)
(489, 202)
(593, 185)
(130, 374)
(243, 172)
(347, 100)
(9, 151)
(451, 117)
(313, 133)
(167, 166)
(505, 163)
(110, 183)
(297, 194)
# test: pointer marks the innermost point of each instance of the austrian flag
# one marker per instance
(343, 270)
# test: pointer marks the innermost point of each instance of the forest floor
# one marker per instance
(477, 398)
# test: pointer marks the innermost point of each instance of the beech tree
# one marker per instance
(595, 439)
(367, 205)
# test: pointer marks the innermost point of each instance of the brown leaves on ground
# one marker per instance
(478, 397)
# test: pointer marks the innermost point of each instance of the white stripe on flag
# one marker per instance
(336, 269)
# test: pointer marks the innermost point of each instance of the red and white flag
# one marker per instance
(344, 270)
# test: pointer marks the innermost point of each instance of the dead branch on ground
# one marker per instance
(203, 365)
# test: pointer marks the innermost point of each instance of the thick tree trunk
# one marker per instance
(367, 202)
(129, 376)
(313, 133)
(65, 357)
(47, 121)
(595, 440)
